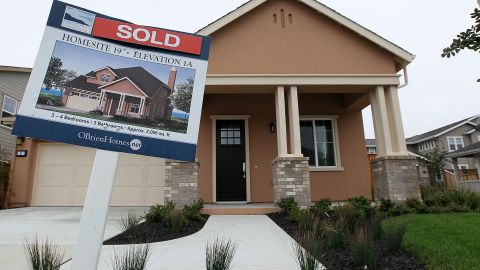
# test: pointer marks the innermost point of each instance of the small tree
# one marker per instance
(54, 73)
(182, 97)
(468, 39)
(434, 162)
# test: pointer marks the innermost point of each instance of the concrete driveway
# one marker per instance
(59, 224)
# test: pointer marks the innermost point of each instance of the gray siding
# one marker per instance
(12, 84)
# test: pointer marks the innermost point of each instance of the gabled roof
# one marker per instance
(123, 79)
(403, 55)
(469, 150)
(141, 78)
(439, 131)
(80, 82)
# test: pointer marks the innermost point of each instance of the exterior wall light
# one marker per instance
(20, 140)
(273, 128)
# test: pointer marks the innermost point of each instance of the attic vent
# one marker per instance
(283, 19)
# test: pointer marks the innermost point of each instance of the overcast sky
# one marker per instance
(440, 91)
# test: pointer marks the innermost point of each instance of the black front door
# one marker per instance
(230, 155)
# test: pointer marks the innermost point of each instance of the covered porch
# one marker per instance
(471, 181)
(113, 103)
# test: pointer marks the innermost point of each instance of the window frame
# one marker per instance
(336, 144)
(3, 106)
(454, 142)
(104, 74)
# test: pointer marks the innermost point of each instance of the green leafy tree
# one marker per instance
(67, 75)
(434, 161)
(468, 39)
(54, 73)
(182, 97)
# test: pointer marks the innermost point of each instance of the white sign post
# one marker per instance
(95, 211)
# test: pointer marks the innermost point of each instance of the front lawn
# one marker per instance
(443, 241)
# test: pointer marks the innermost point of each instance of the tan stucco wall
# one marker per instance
(352, 181)
(23, 173)
(312, 44)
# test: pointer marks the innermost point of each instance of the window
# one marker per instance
(230, 134)
(318, 142)
(104, 78)
(454, 143)
(371, 150)
(9, 110)
(135, 108)
(439, 176)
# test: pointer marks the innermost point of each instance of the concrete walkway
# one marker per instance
(59, 224)
(261, 245)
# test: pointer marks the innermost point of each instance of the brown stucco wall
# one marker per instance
(312, 44)
(338, 185)
(23, 172)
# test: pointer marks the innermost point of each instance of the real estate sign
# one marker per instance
(105, 83)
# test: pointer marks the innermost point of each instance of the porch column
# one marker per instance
(120, 104)
(395, 119)
(394, 172)
(380, 121)
(294, 122)
(142, 105)
(100, 102)
(281, 121)
(456, 171)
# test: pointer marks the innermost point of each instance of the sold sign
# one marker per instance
(147, 36)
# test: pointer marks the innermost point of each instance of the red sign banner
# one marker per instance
(147, 36)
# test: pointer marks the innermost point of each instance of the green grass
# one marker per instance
(443, 241)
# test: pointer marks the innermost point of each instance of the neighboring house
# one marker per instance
(471, 151)
(449, 138)
(131, 92)
(282, 116)
(371, 146)
(13, 81)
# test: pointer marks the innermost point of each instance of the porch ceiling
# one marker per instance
(266, 89)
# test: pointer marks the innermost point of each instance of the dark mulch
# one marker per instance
(341, 259)
(155, 232)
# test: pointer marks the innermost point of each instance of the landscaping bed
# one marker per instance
(342, 259)
(155, 232)
(162, 223)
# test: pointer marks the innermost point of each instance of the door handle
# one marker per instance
(244, 170)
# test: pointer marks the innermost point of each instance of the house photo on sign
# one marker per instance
(109, 84)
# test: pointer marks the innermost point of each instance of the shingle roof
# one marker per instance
(80, 82)
(437, 132)
(466, 151)
(148, 83)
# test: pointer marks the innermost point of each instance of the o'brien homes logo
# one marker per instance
(134, 144)
(78, 20)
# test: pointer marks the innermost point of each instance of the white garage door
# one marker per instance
(63, 171)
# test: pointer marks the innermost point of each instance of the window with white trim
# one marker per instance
(318, 140)
(104, 78)
(454, 143)
(9, 110)
(135, 108)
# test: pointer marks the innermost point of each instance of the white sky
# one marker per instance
(440, 91)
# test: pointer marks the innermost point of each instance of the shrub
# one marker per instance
(363, 253)
(321, 208)
(386, 204)
(438, 197)
(394, 233)
(219, 254)
(376, 225)
(416, 205)
(362, 206)
(134, 257)
(176, 221)
(127, 224)
(43, 256)
(157, 213)
(305, 250)
(399, 209)
(288, 204)
(192, 211)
